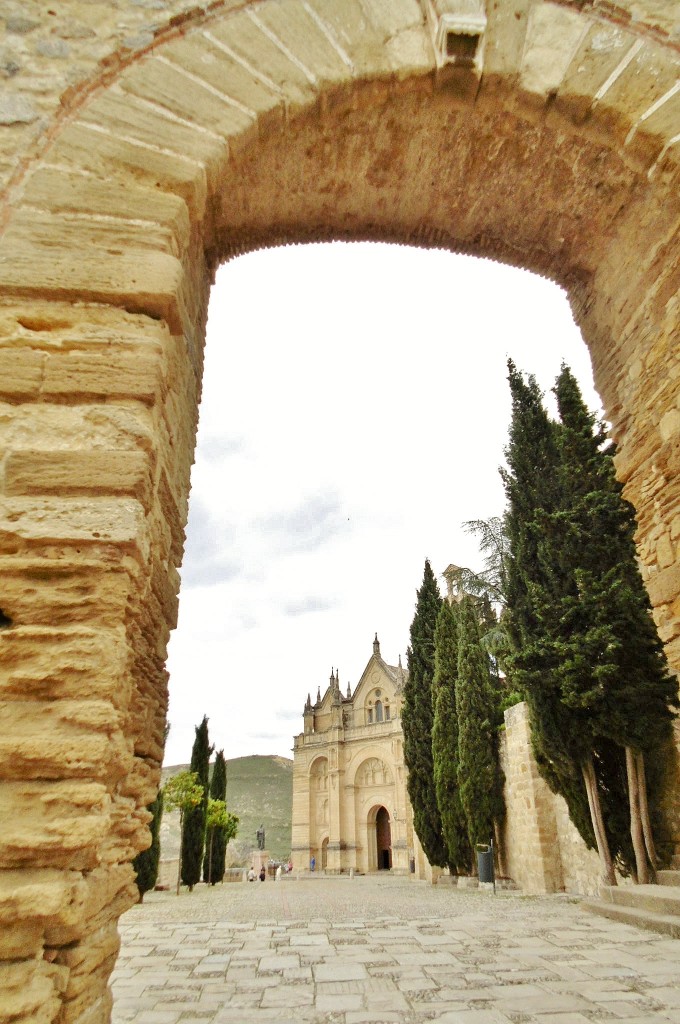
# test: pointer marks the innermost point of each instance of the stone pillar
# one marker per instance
(302, 807)
(260, 859)
(335, 794)
(97, 422)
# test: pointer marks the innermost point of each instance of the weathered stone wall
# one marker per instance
(141, 143)
(93, 423)
(541, 849)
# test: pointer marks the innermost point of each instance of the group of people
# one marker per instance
(252, 875)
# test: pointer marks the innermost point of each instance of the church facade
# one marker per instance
(350, 806)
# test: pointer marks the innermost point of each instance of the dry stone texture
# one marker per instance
(141, 143)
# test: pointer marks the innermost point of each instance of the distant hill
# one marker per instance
(260, 792)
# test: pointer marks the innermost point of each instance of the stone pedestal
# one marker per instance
(258, 858)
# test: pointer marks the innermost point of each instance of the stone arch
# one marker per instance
(375, 829)
(318, 774)
(383, 834)
(318, 808)
(373, 772)
(370, 753)
(203, 135)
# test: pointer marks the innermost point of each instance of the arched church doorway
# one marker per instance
(383, 839)
(324, 854)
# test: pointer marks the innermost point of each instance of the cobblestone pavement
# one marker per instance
(386, 951)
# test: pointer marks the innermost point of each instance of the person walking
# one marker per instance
(263, 873)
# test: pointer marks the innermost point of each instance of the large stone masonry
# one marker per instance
(140, 145)
(541, 848)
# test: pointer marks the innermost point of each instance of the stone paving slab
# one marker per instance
(386, 951)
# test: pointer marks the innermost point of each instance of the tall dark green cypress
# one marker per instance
(560, 739)
(146, 862)
(629, 686)
(213, 868)
(479, 777)
(194, 825)
(612, 661)
(417, 720)
(561, 520)
(445, 741)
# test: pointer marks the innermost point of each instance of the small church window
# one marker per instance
(387, 712)
(370, 716)
(378, 711)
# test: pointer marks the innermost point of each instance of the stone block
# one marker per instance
(38, 593)
(119, 375)
(22, 372)
(81, 146)
(96, 521)
(38, 228)
(162, 81)
(52, 824)
(552, 36)
(664, 586)
(90, 426)
(21, 940)
(32, 991)
(72, 663)
(62, 191)
(243, 35)
(67, 739)
(121, 113)
(142, 280)
(36, 894)
(84, 472)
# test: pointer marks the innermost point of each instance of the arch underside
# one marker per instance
(246, 126)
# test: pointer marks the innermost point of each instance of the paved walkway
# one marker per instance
(386, 951)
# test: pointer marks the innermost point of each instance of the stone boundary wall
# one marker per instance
(541, 849)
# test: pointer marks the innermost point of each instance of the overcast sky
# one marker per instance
(355, 410)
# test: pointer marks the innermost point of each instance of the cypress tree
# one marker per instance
(182, 793)
(193, 838)
(561, 739)
(445, 741)
(146, 862)
(612, 661)
(564, 638)
(479, 778)
(213, 865)
(220, 825)
(417, 719)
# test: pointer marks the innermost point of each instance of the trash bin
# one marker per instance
(485, 863)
